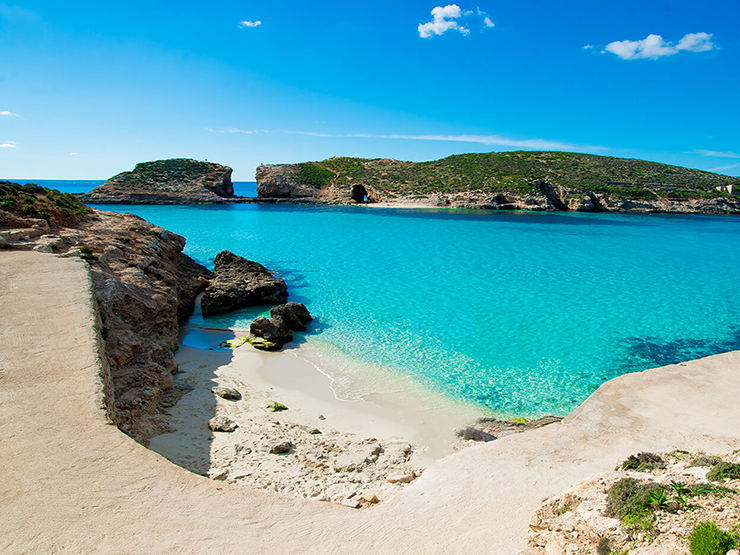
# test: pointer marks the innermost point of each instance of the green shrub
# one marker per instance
(84, 249)
(630, 497)
(724, 471)
(643, 462)
(708, 539)
(706, 460)
(313, 174)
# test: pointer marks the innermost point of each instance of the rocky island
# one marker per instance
(175, 181)
(520, 180)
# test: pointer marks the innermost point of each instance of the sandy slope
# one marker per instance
(70, 483)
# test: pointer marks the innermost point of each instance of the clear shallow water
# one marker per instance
(523, 313)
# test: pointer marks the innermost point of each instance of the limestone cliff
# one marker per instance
(175, 181)
(505, 181)
(143, 284)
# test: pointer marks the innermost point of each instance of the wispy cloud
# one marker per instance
(6, 113)
(235, 130)
(247, 24)
(73, 153)
(491, 140)
(716, 154)
(8, 144)
(724, 168)
(654, 46)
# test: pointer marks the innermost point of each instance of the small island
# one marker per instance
(175, 181)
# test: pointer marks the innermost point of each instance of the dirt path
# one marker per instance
(71, 483)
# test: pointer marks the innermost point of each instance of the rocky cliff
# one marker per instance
(143, 284)
(175, 181)
(505, 181)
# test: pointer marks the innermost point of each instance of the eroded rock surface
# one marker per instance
(175, 181)
(240, 283)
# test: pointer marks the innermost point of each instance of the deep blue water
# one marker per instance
(523, 313)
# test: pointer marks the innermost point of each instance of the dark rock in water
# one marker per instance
(272, 330)
(240, 283)
(294, 315)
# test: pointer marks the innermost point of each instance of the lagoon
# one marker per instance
(524, 314)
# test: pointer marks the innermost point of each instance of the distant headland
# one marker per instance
(520, 180)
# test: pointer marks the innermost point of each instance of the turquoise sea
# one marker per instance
(523, 313)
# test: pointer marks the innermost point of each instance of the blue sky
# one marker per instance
(87, 89)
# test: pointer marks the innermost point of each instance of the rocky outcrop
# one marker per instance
(488, 428)
(144, 287)
(175, 181)
(276, 331)
(240, 283)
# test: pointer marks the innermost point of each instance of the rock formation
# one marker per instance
(277, 330)
(175, 181)
(143, 284)
(505, 181)
(240, 283)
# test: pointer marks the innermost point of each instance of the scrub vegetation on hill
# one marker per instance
(32, 201)
(520, 172)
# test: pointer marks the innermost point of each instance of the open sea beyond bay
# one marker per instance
(525, 314)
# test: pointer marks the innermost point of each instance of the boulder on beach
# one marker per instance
(294, 315)
(270, 334)
(240, 283)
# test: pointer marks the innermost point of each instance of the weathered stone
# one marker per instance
(263, 344)
(175, 181)
(370, 497)
(273, 331)
(472, 433)
(294, 315)
(220, 475)
(240, 450)
(400, 478)
(310, 430)
(274, 406)
(227, 393)
(278, 447)
(222, 424)
(351, 503)
(240, 283)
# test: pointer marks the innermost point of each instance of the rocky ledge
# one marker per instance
(175, 181)
(142, 282)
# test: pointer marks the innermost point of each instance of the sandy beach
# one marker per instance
(339, 448)
(71, 482)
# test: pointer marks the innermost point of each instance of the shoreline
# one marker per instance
(395, 429)
(95, 489)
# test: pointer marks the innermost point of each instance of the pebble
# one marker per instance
(274, 406)
(222, 424)
(351, 503)
(227, 393)
(400, 478)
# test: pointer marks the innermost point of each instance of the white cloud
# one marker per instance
(654, 46)
(717, 154)
(443, 20)
(588, 47)
(6, 113)
(73, 153)
(8, 144)
(244, 24)
(487, 22)
(696, 42)
(235, 130)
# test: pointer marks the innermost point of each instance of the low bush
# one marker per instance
(630, 497)
(708, 539)
(724, 471)
(643, 462)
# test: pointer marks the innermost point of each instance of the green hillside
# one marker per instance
(519, 171)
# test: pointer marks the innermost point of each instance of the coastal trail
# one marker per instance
(71, 482)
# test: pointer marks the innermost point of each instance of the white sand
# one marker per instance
(409, 426)
(71, 483)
